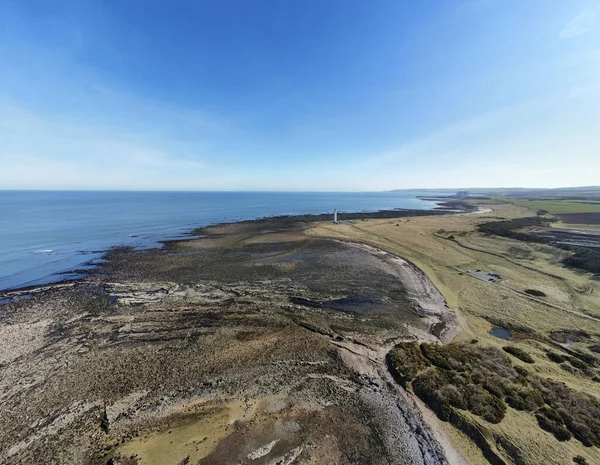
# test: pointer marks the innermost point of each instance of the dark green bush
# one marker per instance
(519, 353)
(584, 258)
(524, 399)
(587, 358)
(509, 228)
(578, 363)
(535, 293)
(427, 386)
(493, 388)
(405, 361)
(438, 355)
(581, 365)
(463, 379)
(522, 371)
(549, 420)
(556, 357)
(483, 381)
(580, 411)
(482, 403)
(454, 396)
(569, 368)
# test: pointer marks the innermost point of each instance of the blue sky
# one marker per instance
(299, 94)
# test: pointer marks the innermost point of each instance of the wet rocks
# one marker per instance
(164, 339)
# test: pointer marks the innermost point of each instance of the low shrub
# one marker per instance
(483, 381)
(587, 358)
(585, 259)
(579, 410)
(595, 348)
(482, 403)
(519, 353)
(569, 368)
(442, 392)
(578, 363)
(556, 357)
(524, 399)
(518, 252)
(522, 371)
(427, 386)
(549, 420)
(512, 229)
(586, 288)
(406, 361)
(462, 377)
(535, 293)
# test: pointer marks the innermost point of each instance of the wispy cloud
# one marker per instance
(537, 142)
(579, 25)
(37, 151)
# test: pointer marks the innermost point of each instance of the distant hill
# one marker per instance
(584, 192)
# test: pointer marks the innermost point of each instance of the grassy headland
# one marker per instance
(549, 309)
(568, 213)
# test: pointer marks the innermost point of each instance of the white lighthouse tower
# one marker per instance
(335, 218)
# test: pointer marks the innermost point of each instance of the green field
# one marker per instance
(578, 227)
(556, 207)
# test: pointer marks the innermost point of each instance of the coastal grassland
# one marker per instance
(583, 215)
(579, 227)
(555, 207)
(445, 247)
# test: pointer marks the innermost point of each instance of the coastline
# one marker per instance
(62, 231)
(443, 207)
(229, 287)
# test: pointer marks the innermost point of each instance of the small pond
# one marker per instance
(502, 333)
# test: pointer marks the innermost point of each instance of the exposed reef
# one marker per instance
(252, 343)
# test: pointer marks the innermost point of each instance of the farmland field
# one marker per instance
(581, 218)
(576, 226)
(558, 207)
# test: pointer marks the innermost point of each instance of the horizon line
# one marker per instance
(293, 190)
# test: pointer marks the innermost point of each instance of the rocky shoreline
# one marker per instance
(250, 343)
(444, 207)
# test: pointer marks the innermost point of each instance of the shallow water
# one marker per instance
(501, 333)
(43, 233)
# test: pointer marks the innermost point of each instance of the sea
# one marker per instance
(48, 236)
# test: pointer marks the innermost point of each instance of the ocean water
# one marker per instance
(45, 235)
